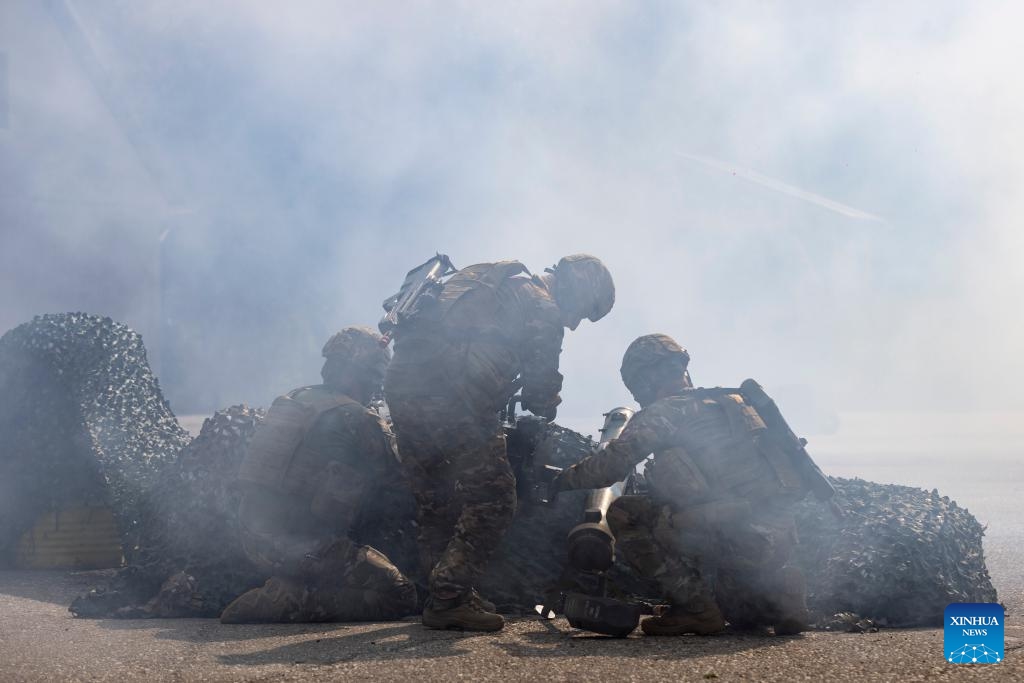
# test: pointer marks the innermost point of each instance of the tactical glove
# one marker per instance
(548, 412)
(558, 484)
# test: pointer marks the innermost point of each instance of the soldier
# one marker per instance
(312, 465)
(458, 361)
(716, 529)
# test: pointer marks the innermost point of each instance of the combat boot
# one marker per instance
(277, 601)
(484, 602)
(677, 622)
(464, 612)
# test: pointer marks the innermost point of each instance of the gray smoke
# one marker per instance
(820, 197)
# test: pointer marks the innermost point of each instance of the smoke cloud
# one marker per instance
(822, 197)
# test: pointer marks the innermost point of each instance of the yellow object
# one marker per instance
(77, 537)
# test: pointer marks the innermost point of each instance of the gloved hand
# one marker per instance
(548, 412)
(541, 403)
(558, 484)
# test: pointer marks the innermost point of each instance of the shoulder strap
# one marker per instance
(501, 271)
(319, 400)
(489, 274)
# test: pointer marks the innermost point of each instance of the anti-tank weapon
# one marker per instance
(591, 549)
(421, 284)
(779, 429)
(591, 542)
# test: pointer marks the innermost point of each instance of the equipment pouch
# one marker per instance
(673, 475)
(787, 476)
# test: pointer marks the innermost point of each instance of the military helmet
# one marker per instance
(357, 345)
(643, 362)
(584, 285)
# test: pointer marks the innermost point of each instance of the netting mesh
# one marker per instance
(898, 556)
(83, 421)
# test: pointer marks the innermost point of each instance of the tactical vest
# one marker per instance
(279, 436)
(721, 454)
(474, 278)
(467, 342)
(480, 275)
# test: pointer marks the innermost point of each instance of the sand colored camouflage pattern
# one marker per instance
(490, 324)
(279, 456)
(358, 345)
(717, 523)
(898, 556)
(337, 580)
(584, 284)
(455, 366)
(858, 563)
(464, 488)
(723, 553)
(649, 350)
(296, 526)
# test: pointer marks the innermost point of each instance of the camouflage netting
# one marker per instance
(898, 557)
(82, 421)
(190, 532)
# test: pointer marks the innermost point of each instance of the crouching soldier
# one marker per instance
(716, 529)
(313, 463)
(491, 329)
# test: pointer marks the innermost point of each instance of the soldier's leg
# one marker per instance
(644, 537)
(436, 511)
(485, 494)
(765, 596)
(485, 491)
(789, 602)
(635, 521)
(279, 600)
(359, 583)
(430, 477)
(755, 585)
(283, 598)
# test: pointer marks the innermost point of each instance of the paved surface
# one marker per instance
(39, 640)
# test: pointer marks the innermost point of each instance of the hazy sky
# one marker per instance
(824, 196)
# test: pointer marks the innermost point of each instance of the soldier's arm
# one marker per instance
(640, 438)
(542, 381)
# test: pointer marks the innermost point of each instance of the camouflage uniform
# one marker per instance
(455, 367)
(717, 526)
(312, 466)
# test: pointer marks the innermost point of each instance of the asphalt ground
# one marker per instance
(40, 640)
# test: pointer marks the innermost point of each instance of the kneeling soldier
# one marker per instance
(716, 530)
(312, 465)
